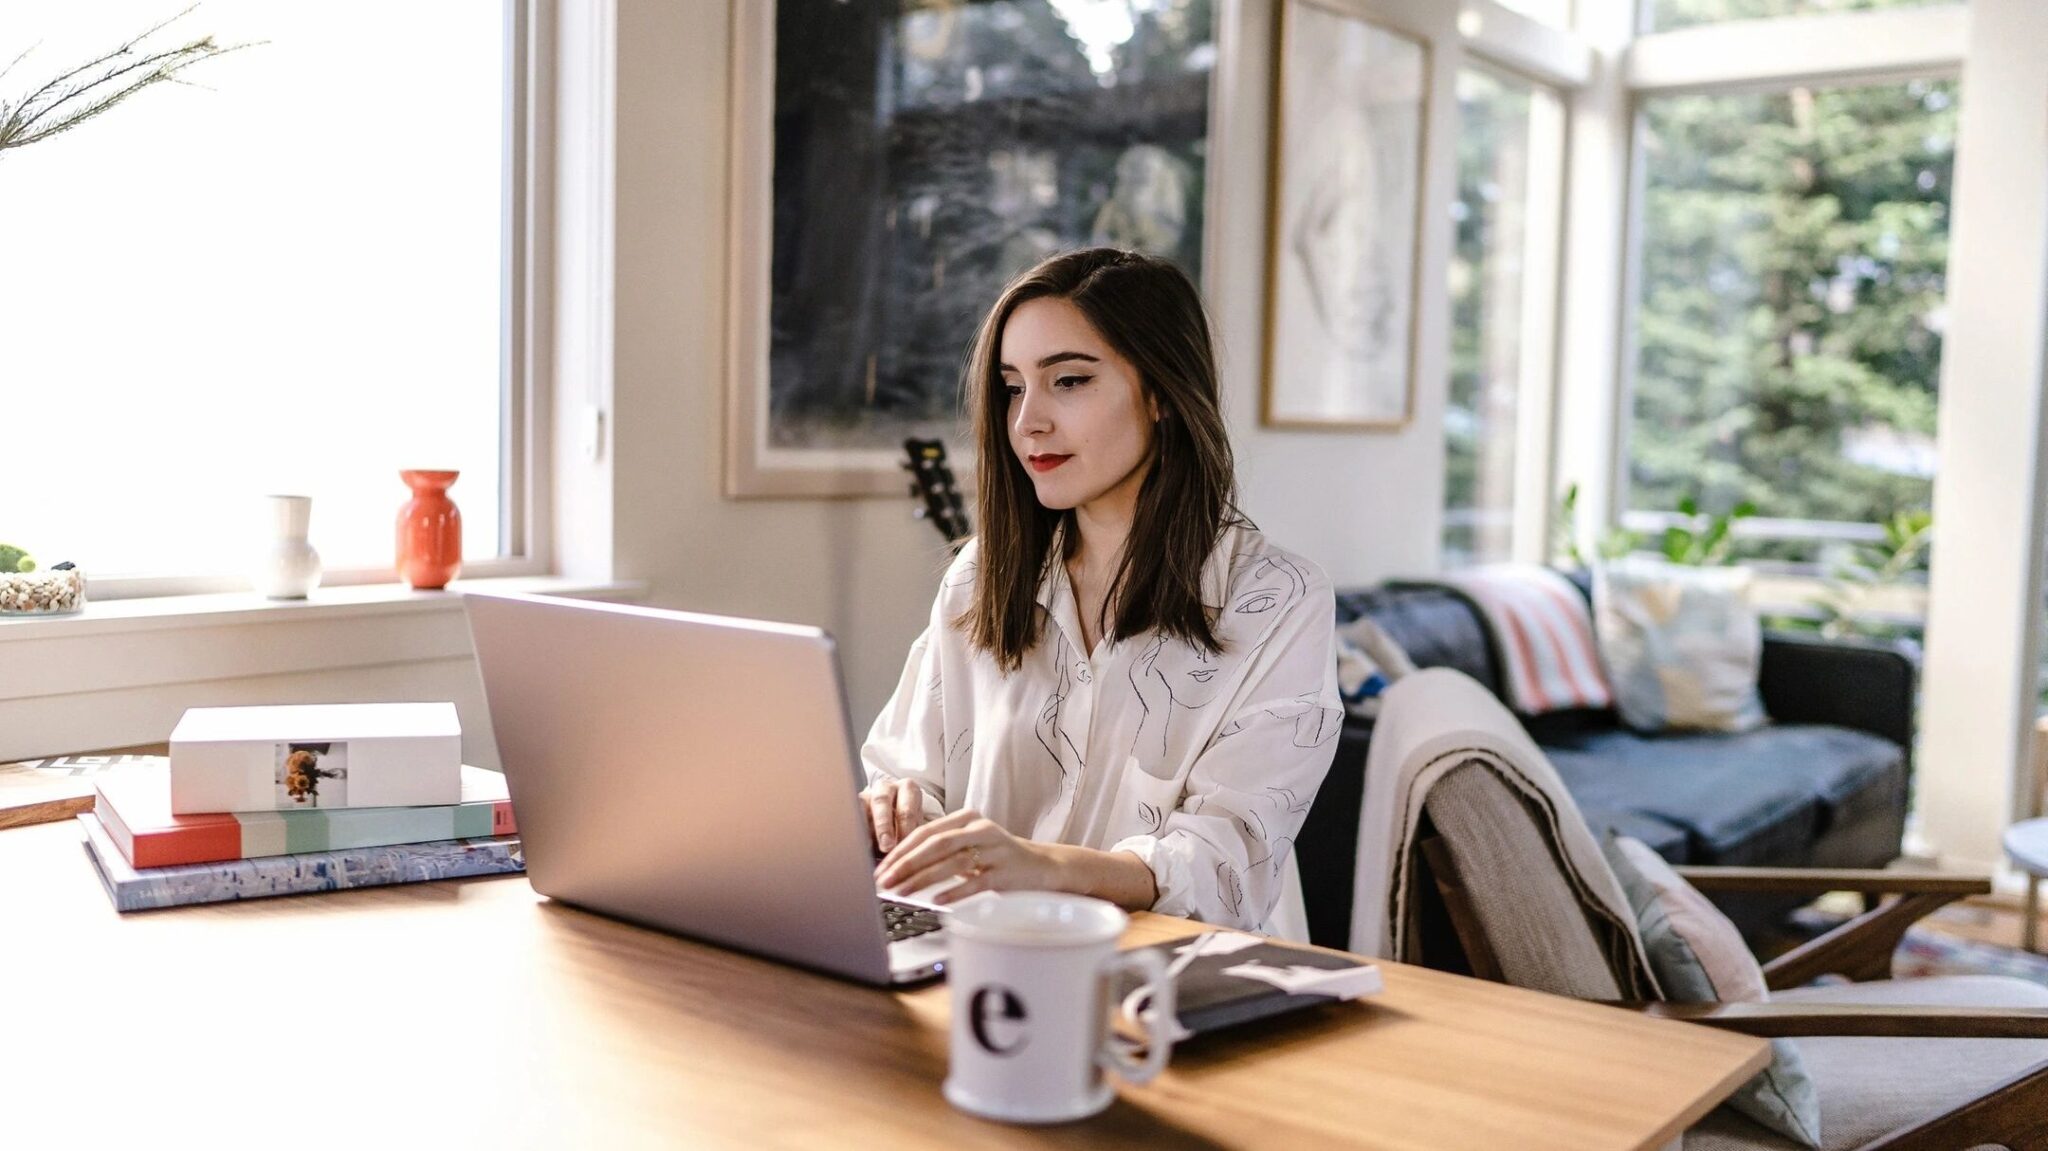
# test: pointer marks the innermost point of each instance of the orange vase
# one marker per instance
(429, 531)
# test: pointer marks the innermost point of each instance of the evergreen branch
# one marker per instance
(153, 62)
(64, 103)
(81, 116)
(17, 60)
(167, 66)
(121, 51)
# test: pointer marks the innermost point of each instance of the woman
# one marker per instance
(1124, 689)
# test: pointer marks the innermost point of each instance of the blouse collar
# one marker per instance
(1056, 591)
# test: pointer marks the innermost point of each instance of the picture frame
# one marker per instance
(906, 165)
(752, 467)
(1344, 221)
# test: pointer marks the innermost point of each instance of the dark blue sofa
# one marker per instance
(1824, 784)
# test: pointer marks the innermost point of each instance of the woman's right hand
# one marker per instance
(895, 809)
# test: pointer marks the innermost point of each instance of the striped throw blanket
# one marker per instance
(1543, 630)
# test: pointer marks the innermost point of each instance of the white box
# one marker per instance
(309, 756)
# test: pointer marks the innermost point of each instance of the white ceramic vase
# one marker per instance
(288, 567)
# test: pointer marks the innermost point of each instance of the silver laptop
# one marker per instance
(695, 774)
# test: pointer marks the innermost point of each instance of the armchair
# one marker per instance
(1488, 873)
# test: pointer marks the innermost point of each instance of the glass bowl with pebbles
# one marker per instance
(28, 590)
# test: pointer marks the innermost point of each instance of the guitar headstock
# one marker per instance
(932, 482)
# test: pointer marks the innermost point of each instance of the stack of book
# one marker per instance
(257, 801)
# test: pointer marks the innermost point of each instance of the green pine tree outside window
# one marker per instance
(1788, 333)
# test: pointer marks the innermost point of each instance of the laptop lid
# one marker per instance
(692, 773)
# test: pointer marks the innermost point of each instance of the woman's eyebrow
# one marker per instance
(1056, 358)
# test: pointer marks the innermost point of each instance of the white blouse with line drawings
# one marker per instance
(1203, 765)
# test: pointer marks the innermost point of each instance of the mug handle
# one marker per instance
(1159, 1018)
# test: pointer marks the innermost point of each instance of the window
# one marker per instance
(1554, 12)
(290, 277)
(1666, 15)
(1502, 284)
(1788, 338)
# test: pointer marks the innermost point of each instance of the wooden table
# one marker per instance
(476, 1013)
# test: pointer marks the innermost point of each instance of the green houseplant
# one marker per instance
(1702, 540)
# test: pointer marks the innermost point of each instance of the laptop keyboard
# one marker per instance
(904, 921)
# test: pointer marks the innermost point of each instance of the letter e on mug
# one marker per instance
(1031, 974)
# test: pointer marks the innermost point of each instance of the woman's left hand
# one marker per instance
(965, 844)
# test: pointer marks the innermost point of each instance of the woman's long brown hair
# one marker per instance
(1150, 312)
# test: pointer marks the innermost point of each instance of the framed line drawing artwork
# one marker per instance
(895, 163)
(1344, 221)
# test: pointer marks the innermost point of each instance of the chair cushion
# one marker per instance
(1756, 797)
(1870, 1087)
(1717, 964)
(1699, 957)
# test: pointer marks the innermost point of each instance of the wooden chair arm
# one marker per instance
(1790, 1020)
(1859, 949)
(1799, 880)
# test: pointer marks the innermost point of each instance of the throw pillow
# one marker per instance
(1542, 633)
(1368, 660)
(1682, 645)
(1699, 957)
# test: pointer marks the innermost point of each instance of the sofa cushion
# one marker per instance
(1666, 839)
(1368, 660)
(1865, 827)
(1542, 631)
(1435, 627)
(1681, 644)
(1869, 1087)
(1854, 781)
(1743, 798)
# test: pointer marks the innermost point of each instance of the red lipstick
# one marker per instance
(1047, 463)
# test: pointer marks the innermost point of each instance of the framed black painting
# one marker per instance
(896, 162)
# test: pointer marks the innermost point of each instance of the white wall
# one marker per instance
(1365, 505)
(864, 569)
(1984, 592)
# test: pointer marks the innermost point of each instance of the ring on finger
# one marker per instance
(978, 868)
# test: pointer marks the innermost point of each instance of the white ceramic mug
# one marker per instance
(1032, 979)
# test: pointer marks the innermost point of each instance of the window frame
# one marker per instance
(1541, 307)
(1843, 49)
(526, 354)
(1517, 48)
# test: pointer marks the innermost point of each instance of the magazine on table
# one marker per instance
(1224, 978)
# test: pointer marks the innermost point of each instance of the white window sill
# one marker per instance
(121, 672)
(153, 613)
